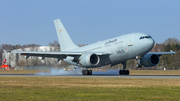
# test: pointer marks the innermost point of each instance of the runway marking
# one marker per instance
(99, 76)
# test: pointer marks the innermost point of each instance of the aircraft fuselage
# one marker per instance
(122, 48)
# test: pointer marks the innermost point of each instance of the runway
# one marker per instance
(97, 76)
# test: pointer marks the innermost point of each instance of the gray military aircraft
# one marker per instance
(108, 52)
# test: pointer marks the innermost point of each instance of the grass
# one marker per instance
(132, 72)
(85, 89)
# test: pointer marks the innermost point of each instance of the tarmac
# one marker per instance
(97, 76)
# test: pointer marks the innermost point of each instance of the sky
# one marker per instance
(87, 21)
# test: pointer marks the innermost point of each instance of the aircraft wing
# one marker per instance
(161, 53)
(59, 55)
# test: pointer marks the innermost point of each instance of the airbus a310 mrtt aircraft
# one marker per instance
(108, 52)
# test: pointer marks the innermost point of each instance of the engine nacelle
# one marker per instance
(88, 60)
(149, 60)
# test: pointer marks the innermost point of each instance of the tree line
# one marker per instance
(170, 62)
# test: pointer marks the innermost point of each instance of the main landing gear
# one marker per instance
(86, 72)
(124, 71)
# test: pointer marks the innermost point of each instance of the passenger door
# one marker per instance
(130, 40)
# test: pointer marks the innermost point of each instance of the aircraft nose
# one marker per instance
(147, 45)
(151, 43)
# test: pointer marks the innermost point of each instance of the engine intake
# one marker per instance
(88, 60)
(149, 60)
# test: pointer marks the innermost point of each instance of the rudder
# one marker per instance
(65, 41)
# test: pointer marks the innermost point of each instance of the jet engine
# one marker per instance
(88, 60)
(149, 60)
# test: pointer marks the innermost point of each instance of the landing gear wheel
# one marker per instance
(138, 66)
(127, 72)
(120, 72)
(123, 72)
(90, 72)
(83, 72)
(86, 72)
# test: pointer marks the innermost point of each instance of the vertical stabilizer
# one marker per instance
(64, 39)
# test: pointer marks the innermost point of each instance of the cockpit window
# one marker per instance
(141, 37)
(145, 37)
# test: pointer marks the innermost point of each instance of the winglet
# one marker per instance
(4, 50)
(172, 52)
(9, 51)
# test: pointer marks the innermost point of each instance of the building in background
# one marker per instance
(17, 60)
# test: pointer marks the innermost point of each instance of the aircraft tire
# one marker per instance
(120, 72)
(86, 72)
(90, 72)
(127, 72)
(123, 72)
(83, 72)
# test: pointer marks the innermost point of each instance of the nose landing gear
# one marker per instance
(139, 65)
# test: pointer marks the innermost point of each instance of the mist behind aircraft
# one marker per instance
(76, 72)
